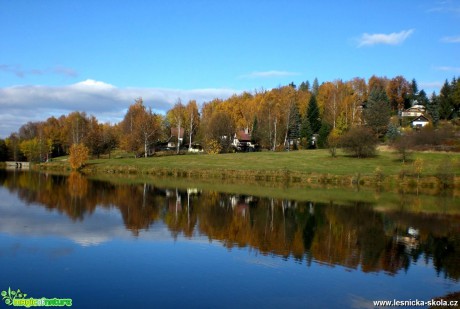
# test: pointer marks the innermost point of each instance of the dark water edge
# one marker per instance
(152, 244)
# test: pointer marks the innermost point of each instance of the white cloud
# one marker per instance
(430, 86)
(448, 69)
(269, 74)
(20, 72)
(446, 6)
(451, 39)
(20, 104)
(394, 38)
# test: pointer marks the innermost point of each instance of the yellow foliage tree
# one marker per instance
(79, 154)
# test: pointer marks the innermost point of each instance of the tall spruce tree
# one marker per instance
(255, 132)
(455, 95)
(306, 134)
(446, 107)
(378, 112)
(313, 114)
(422, 99)
(433, 109)
(305, 86)
(414, 97)
(315, 87)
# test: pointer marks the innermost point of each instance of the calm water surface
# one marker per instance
(142, 246)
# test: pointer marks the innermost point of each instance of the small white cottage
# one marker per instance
(419, 122)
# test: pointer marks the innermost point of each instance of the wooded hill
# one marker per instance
(287, 115)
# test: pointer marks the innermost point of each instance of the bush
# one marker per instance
(360, 142)
(403, 145)
(333, 141)
(79, 154)
(212, 147)
(445, 173)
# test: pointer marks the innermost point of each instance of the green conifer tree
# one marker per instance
(313, 114)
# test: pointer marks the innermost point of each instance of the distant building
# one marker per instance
(242, 141)
(414, 111)
(175, 138)
(419, 122)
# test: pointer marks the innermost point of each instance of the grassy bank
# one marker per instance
(308, 166)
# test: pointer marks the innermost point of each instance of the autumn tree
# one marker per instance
(35, 149)
(94, 138)
(293, 123)
(3, 151)
(79, 154)
(13, 144)
(327, 102)
(192, 120)
(53, 130)
(376, 83)
(34, 144)
(176, 118)
(360, 94)
(338, 103)
(220, 129)
(109, 138)
(139, 128)
(29, 130)
(75, 127)
(333, 141)
(399, 93)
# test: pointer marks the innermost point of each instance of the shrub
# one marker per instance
(333, 141)
(445, 173)
(360, 142)
(418, 167)
(213, 147)
(403, 145)
(378, 174)
(79, 154)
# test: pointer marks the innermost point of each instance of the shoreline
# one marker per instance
(437, 171)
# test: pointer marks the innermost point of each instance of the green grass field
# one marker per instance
(303, 161)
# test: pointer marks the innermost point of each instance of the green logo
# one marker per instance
(18, 299)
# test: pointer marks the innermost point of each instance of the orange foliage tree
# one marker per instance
(79, 154)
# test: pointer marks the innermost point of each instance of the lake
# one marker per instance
(146, 245)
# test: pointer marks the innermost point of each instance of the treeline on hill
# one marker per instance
(287, 117)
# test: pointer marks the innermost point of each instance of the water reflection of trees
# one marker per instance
(354, 236)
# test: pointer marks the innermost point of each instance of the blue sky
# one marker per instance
(98, 56)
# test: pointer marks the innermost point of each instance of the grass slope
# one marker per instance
(303, 161)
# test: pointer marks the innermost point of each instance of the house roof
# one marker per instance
(421, 118)
(243, 136)
(416, 108)
(174, 132)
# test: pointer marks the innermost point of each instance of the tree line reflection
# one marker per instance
(354, 235)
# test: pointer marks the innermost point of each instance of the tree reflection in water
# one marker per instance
(353, 235)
